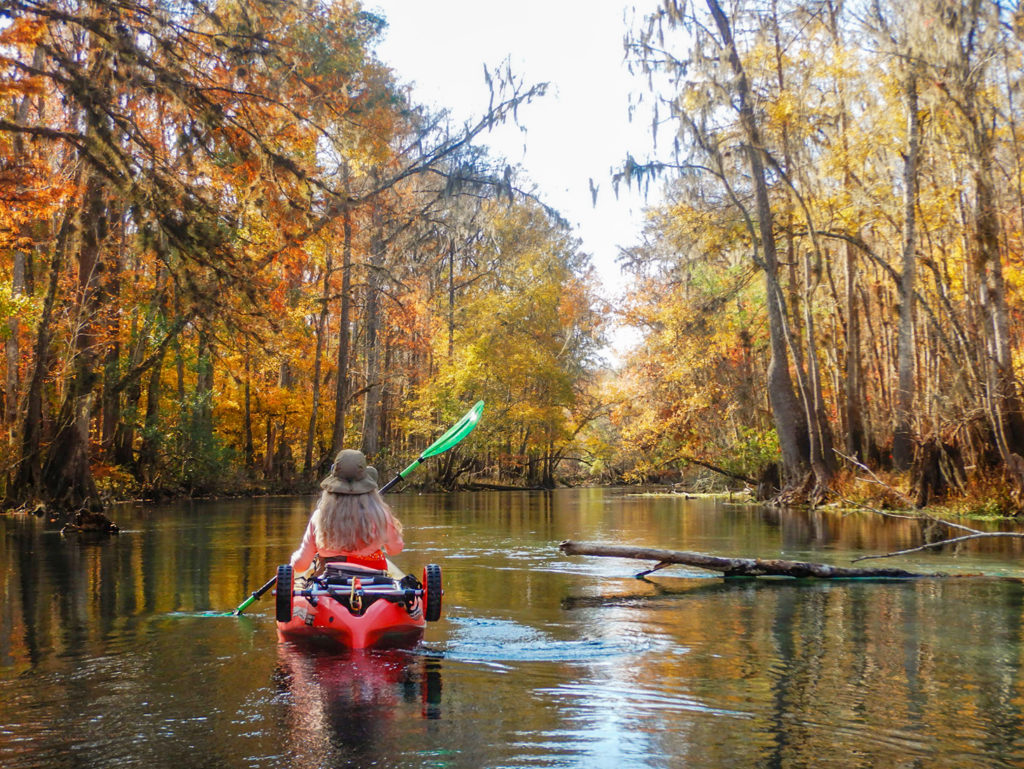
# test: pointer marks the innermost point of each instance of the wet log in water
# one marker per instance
(733, 567)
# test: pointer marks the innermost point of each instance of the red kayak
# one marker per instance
(357, 607)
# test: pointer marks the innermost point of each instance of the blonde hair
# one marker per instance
(352, 522)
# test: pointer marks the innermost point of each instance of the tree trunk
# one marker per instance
(341, 382)
(149, 445)
(819, 436)
(855, 433)
(1006, 416)
(789, 417)
(852, 386)
(129, 426)
(12, 347)
(202, 417)
(321, 327)
(818, 433)
(148, 450)
(124, 431)
(67, 476)
(110, 399)
(28, 479)
(451, 298)
(19, 278)
(902, 449)
(371, 322)
(268, 456)
(970, 61)
(249, 449)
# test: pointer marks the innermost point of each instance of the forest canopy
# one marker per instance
(231, 243)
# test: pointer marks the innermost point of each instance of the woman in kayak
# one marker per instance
(351, 521)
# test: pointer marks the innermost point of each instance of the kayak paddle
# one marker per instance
(451, 438)
(455, 433)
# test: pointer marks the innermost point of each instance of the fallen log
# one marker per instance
(734, 567)
(480, 486)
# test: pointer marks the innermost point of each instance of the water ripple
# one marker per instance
(489, 640)
(628, 697)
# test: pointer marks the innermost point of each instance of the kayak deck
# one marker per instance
(357, 608)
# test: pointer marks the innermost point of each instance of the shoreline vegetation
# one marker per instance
(840, 505)
(232, 243)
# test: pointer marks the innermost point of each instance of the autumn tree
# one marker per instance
(202, 146)
(718, 123)
(527, 343)
(888, 146)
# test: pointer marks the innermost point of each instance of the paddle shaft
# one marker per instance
(256, 595)
(401, 475)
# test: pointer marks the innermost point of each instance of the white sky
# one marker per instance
(579, 131)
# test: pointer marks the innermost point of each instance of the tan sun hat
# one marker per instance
(350, 474)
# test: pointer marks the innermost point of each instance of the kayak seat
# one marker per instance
(349, 570)
(374, 562)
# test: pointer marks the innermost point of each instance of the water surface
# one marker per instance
(540, 660)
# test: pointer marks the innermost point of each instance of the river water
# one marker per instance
(539, 660)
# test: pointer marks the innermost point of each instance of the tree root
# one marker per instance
(84, 521)
(87, 521)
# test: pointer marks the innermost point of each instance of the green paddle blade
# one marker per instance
(454, 434)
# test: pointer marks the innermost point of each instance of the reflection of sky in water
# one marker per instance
(592, 731)
(616, 723)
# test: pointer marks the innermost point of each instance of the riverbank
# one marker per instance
(880, 494)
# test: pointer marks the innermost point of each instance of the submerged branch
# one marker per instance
(941, 542)
(972, 533)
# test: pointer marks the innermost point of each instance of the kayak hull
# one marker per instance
(382, 624)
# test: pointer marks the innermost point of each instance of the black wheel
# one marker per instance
(285, 580)
(432, 592)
